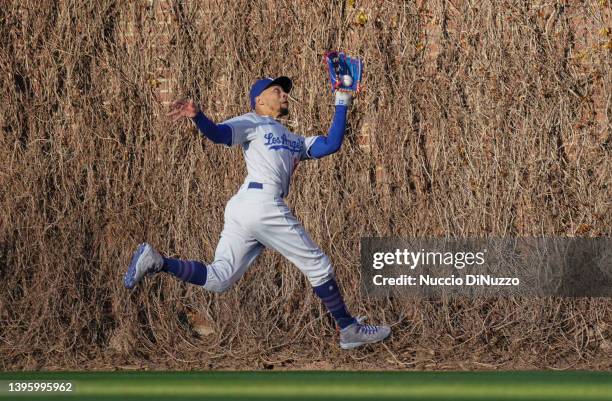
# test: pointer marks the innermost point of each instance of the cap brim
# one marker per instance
(283, 82)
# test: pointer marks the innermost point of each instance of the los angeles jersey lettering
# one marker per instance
(271, 151)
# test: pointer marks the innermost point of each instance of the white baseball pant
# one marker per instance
(256, 218)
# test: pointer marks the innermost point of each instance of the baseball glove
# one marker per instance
(345, 72)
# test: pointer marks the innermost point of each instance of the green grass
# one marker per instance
(321, 385)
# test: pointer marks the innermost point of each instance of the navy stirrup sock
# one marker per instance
(332, 299)
(190, 271)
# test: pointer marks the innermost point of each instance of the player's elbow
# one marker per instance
(324, 147)
(334, 147)
(330, 149)
(221, 140)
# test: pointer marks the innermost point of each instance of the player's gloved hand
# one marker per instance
(183, 108)
(345, 75)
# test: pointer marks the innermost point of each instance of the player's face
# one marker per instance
(275, 101)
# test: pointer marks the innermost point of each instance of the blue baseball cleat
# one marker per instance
(145, 261)
(358, 334)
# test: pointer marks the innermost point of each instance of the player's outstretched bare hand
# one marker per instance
(183, 108)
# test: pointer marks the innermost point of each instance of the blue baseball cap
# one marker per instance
(263, 84)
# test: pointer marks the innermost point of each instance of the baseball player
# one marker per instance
(257, 216)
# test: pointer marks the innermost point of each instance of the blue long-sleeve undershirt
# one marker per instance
(326, 145)
(218, 133)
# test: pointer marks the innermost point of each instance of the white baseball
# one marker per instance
(347, 80)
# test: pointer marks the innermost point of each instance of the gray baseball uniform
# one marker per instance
(257, 216)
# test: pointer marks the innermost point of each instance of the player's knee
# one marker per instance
(322, 274)
(217, 281)
(218, 286)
